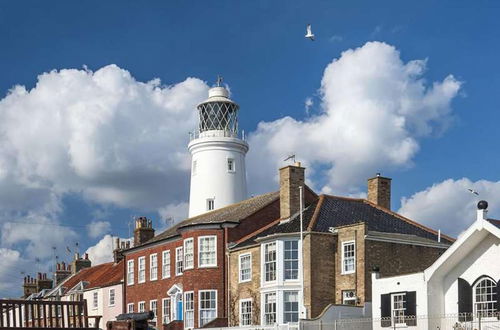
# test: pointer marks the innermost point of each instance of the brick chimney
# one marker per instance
(119, 247)
(291, 178)
(80, 263)
(379, 191)
(61, 273)
(29, 286)
(143, 231)
(42, 282)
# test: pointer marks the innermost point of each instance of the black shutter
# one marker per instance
(411, 308)
(498, 300)
(385, 310)
(464, 300)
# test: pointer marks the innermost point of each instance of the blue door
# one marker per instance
(179, 310)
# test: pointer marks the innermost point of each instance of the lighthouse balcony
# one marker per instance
(216, 133)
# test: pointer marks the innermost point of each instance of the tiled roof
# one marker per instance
(334, 211)
(231, 213)
(97, 276)
(495, 222)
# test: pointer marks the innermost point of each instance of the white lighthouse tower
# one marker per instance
(218, 175)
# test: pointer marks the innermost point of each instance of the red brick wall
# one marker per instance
(191, 280)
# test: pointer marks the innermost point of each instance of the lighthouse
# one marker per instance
(218, 174)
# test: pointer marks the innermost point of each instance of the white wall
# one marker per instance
(212, 179)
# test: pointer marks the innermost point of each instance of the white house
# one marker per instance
(458, 291)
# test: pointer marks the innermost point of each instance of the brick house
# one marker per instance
(344, 240)
(181, 274)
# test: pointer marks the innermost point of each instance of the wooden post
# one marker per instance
(86, 320)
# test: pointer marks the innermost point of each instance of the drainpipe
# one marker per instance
(301, 210)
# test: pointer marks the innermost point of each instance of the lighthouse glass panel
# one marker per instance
(221, 116)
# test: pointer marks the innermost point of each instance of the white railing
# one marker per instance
(216, 133)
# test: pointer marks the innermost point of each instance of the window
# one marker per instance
(142, 270)
(207, 246)
(166, 311)
(348, 257)
(179, 259)
(270, 308)
(95, 300)
(349, 297)
(230, 165)
(485, 298)
(270, 261)
(245, 267)
(188, 254)
(165, 263)
(398, 308)
(245, 312)
(189, 310)
(153, 307)
(210, 204)
(142, 306)
(291, 260)
(153, 267)
(291, 306)
(208, 306)
(130, 308)
(130, 272)
(111, 297)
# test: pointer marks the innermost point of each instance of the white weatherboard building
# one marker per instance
(218, 174)
(459, 291)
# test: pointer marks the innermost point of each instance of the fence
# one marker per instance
(39, 314)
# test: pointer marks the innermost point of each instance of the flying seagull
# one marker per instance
(473, 192)
(309, 33)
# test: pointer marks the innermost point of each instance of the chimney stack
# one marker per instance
(379, 191)
(118, 250)
(143, 231)
(291, 178)
(80, 263)
(29, 286)
(61, 273)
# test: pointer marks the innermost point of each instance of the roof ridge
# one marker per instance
(345, 198)
(412, 222)
(258, 231)
(319, 204)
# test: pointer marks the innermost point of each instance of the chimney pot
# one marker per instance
(86, 256)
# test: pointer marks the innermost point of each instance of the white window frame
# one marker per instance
(489, 311)
(130, 272)
(111, 295)
(141, 270)
(291, 311)
(250, 318)
(141, 304)
(264, 312)
(179, 260)
(200, 251)
(233, 165)
(190, 310)
(240, 269)
(166, 310)
(153, 267)
(210, 204)
(266, 263)
(165, 264)
(291, 260)
(200, 324)
(394, 319)
(188, 256)
(95, 300)
(155, 310)
(345, 260)
(346, 297)
(130, 307)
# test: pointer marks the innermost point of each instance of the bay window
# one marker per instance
(207, 254)
(188, 254)
(270, 262)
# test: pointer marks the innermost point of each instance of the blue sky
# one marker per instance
(259, 48)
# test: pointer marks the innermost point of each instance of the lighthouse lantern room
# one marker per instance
(218, 174)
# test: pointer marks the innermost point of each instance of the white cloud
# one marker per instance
(375, 108)
(98, 228)
(172, 214)
(10, 272)
(102, 251)
(449, 206)
(308, 103)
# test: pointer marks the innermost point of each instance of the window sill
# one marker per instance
(208, 266)
(111, 305)
(165, 277)
(245, 281)
(130, 284)
(348, 273)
